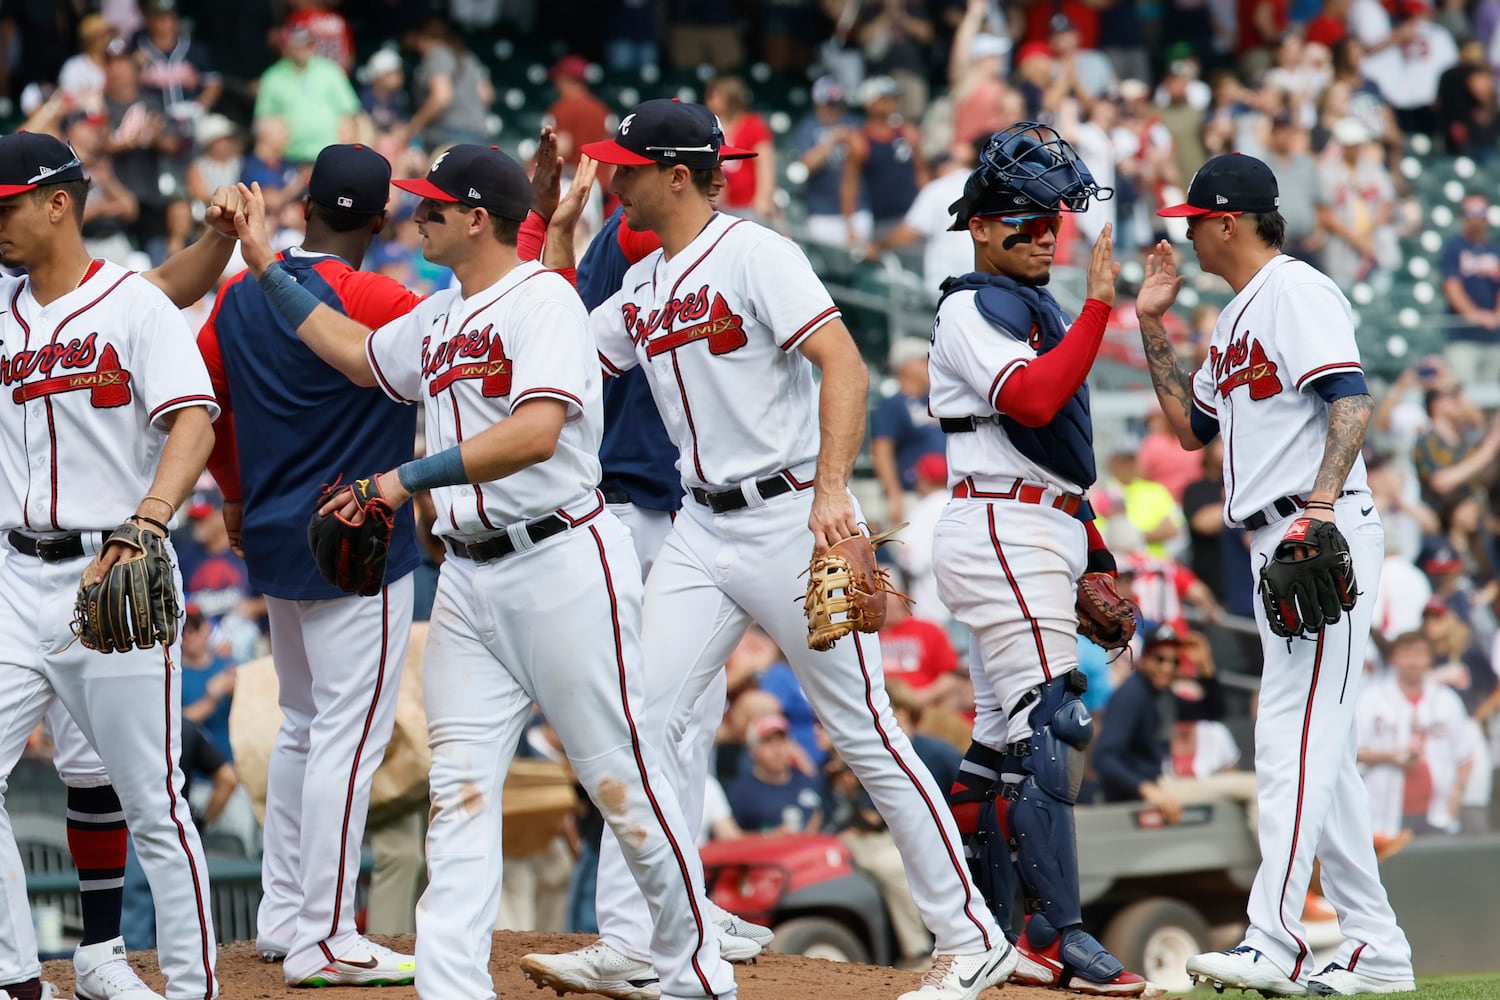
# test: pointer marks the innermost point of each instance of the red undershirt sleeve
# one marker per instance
(1033, 394)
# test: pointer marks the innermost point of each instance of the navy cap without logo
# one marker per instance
(1229, 182)
(29, 160)
(352, 178)
(482, 176)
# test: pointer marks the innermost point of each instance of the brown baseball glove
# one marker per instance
(846, 590)
(135, 605)
(1104, 617)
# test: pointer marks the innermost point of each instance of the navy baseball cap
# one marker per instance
(669, 132)
(351, 178)
(1230, 182)
(482, 176)
(29, 160)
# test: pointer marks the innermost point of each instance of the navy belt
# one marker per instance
(55, 548)
(496, 546)
(1283, 507)
(724, 501)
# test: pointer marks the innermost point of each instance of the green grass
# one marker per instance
(1473, 987)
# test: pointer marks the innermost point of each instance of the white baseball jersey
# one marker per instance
(1284, 330)
(969, 364)
(472, 361)
(94, 366)
(1435, 727)
(717, 328)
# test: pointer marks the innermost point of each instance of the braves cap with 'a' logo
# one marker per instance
(29, 160)
(351, 178)
(669, 132)
(482, 176)
(1230, 182)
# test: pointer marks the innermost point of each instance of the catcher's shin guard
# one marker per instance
(979, 813)
(1041, 783)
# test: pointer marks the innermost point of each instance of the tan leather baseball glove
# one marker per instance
(846, 590)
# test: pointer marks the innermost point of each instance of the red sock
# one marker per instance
(97, 841)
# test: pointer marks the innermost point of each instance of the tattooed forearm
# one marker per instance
(1173, 385)
(1347, 419)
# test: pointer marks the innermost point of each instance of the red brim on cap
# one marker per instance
(424, 188)
(1182, 211)
(6, 190)
(728, 152)
(610, 151)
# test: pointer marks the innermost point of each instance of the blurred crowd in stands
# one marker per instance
(878, 109)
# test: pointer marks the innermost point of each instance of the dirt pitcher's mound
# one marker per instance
(774, 977)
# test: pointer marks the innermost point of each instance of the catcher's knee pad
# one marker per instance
(1043, 777)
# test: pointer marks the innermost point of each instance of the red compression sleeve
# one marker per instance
(1034, 393)
(531, 237)
(635, 244)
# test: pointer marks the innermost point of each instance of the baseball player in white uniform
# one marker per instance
(1282, 383)
(540, 599)
(724, 321)
(1008, 373)
(109, 418)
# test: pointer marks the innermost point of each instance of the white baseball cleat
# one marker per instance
(1337, 981)
(964, 977)
(1242, 968)
(103, 974)
(737, 950)
(379, 966)
(736, 926)
(595, 969)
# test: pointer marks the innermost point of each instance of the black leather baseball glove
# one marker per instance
(351, 552)
(135, 605)
(1301, 595)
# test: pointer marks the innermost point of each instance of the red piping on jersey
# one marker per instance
(546, 390)
(183, 401)
(640, 763)
(15, 310)
(385, 383)
(796, 483)
(676, 370)
(359, 751)
(458, 433)
(1336, 366)
(608, 367)
(687, 413)
(1210, 410)
(1230, 476)
(1312, 689)
(1354, 958)
(959, 869)
(172, 730)
(999, 382)
(810, 326)
(93, 269)
(586, 518)
(1015, 588)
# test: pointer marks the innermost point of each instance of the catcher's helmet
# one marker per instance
(1027, 167)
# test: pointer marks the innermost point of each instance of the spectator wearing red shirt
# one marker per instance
(751, 183)
(918, 653)
(1085, 18)
(577, 115)
(331, 36)
(1163, 459)
(1261, 25)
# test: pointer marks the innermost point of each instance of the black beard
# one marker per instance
(1036, 282)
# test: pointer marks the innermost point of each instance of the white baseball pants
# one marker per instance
(558, 624)
(624, 918)
(338, 667)
(1009, 571)
(1312, 800)
(717, 573)
(128, 707)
